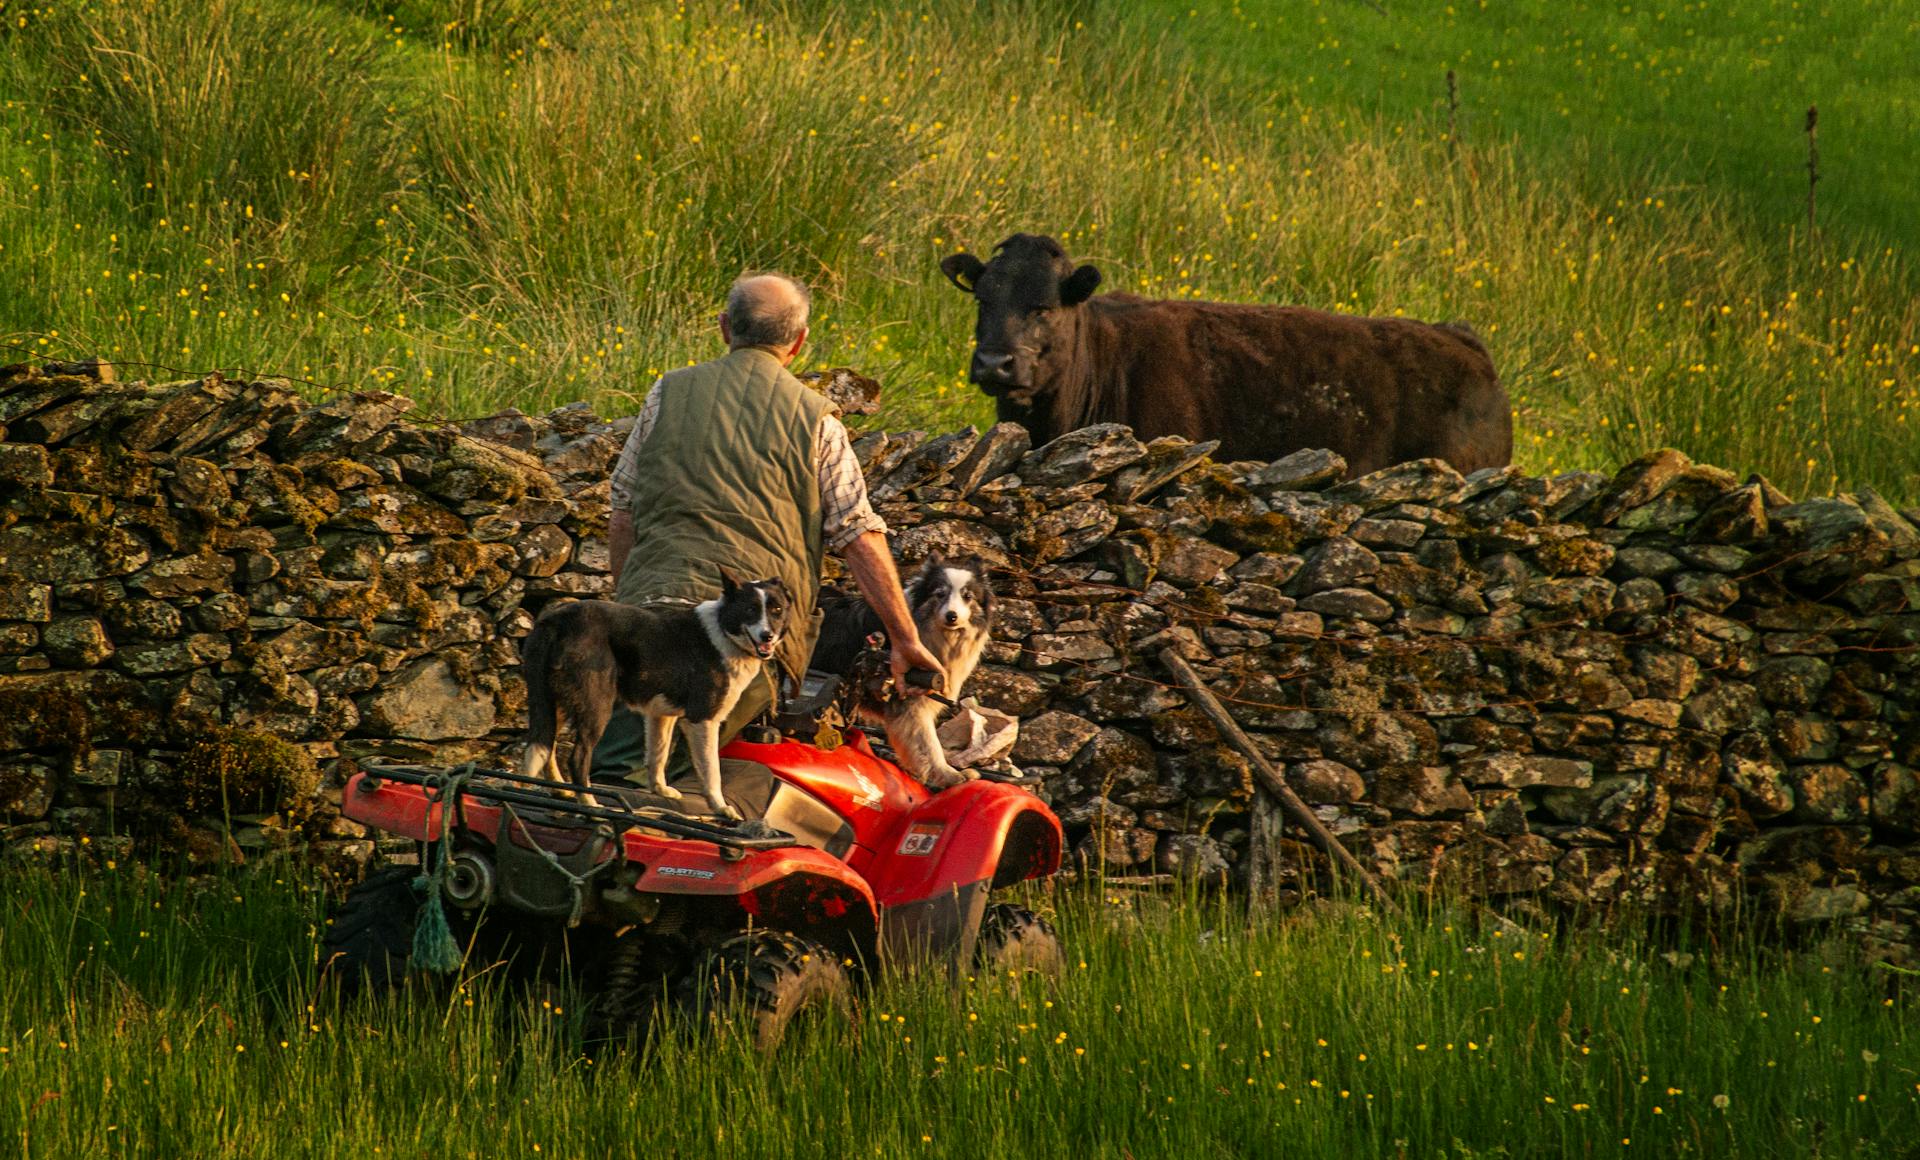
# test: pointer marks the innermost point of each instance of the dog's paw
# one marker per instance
(946, 777)
(724, 811)
(668, 792)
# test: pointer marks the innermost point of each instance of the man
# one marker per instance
(734, 462)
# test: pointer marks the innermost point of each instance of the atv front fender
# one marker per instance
(955, 847)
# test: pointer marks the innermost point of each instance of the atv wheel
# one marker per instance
(370, 934)
(1013, 938)
(760, 981)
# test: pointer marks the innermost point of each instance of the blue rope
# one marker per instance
(434, 947)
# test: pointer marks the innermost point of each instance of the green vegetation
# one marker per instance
(173, 1018)
(522, 204)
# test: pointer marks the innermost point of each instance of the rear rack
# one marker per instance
(666, 821)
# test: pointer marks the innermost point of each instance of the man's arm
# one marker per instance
(620, 495)
(871, 562)
(619, 540)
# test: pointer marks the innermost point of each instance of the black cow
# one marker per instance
(1264, 380)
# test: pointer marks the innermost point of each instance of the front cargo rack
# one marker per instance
(480, 785)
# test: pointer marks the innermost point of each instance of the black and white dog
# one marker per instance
(688, 665)
(952, 606)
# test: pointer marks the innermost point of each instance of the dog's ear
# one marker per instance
(729, 583)
(934, 561)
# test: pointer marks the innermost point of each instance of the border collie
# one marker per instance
(688, 665)
(952, 606)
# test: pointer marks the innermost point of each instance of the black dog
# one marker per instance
(668, 664)
(952, 607)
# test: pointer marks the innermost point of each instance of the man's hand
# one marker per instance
(872, 565)
(909, 653)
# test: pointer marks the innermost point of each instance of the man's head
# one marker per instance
(768, 311)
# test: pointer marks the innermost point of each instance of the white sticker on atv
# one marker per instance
(683, 872)
(869, 795)
(921, 838)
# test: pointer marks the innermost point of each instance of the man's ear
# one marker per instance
(962, 269)
(1079, 286)
(729, 583)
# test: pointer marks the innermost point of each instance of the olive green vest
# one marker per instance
(727, 477)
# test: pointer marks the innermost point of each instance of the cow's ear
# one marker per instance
(1079, 286)
(962, 269)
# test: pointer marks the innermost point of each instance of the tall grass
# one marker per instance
(497, 204)
(169, 1018)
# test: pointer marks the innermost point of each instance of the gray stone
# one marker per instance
(1792, 682)
(1525, 770)
(1339, 562)
(1828, 903)
(77, 642)
(1387, 533)
(992, 456)
(1421, 790)
(1047, 650)
(542, 550)
(1308, 469)
(428, 701)
(1267, 568)
(1168, 458)
(953, 539)
(1315, 517)
(26, 790)
(23, 599)
(1192, 856)
(1190, 560)
(1085, 454)
(1425, 481)
(1052, 738)
(1350, 603)
(1115, 760)
(1759, 778)
(1724, 707)
(1323, 782)
(1097, 811)
(178, 656)
(928, 463)
(1634, 562)
(1828, 795)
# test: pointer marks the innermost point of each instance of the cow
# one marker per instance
(1263, 380)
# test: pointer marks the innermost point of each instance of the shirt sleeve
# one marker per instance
(626, 468)
(845, 514)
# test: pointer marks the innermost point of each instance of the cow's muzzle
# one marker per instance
(995, 373)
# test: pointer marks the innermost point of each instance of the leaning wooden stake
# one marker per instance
(1271, 780)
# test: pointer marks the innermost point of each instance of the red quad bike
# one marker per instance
(843, 862)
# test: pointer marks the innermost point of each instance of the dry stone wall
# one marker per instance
(1670, 686)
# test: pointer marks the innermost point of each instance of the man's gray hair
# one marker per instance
(767, 309)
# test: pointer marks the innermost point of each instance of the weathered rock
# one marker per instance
(1421, 790)
(76, 642)
(429, 701)
(1415, 481)
(1308, 469)
(1052, 738)
(1193, 856)
(1336, 563)
(1322, 782)
(1082, 455)
(1828, 795)
(1350, 603)
(1525, 770)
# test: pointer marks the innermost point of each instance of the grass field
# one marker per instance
(172, 1019)
(508, 202)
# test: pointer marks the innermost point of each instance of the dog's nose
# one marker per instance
(993, 370)
(953, 617)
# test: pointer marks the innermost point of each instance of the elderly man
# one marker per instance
(734, 462)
